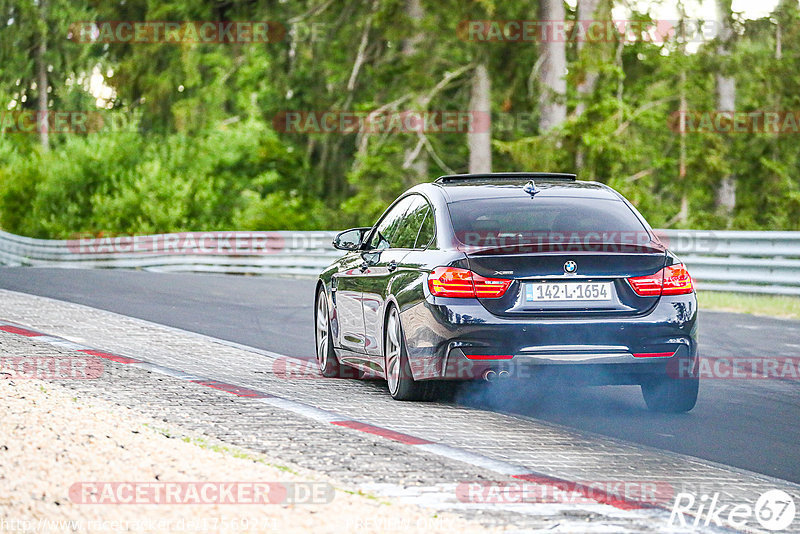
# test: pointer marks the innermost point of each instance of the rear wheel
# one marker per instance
(671, 395)
(402, 385)
(326, 357)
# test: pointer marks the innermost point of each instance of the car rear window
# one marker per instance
(510, 221)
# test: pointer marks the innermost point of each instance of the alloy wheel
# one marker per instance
(322, 331)
(393, 348)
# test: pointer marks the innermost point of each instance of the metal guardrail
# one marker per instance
(298, 253)
(748, 262)
(751, 262)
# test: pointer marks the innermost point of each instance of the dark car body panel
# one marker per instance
(595, 344)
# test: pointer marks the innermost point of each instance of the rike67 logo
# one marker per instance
(774, 510)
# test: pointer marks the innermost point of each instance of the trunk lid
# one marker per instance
(545, 283)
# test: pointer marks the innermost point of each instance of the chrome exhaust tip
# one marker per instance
(503, 374)
(489, 376)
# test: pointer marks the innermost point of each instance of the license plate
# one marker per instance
(573, 291)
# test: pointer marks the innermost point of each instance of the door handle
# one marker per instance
(392, 265)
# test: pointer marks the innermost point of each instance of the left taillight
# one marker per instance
(671, 280)
(463, 283)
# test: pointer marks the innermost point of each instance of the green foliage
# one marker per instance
(124, 183)
(202, 151)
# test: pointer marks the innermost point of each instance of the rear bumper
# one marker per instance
(458, 339)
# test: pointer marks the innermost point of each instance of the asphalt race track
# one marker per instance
(749, 424)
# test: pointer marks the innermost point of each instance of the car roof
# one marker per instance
(485, 187)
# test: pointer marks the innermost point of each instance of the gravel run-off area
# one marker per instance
(56, 447)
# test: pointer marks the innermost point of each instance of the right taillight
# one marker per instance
(671, 280)
(463, 283)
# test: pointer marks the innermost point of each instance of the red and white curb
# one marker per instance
(453, 453)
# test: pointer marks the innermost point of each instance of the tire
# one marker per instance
(402, 385)
(671, 395)
(326, 357)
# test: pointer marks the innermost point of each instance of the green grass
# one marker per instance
(237, 452)
(768, 305)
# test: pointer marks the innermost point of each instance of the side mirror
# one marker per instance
(350, 239)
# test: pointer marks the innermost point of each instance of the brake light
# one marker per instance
(671, 280)
(490, 288)
(677, 280)
(463, 283)
(648, 285)
(451, 282)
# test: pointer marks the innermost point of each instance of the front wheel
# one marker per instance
(326, 357)
(671, 395)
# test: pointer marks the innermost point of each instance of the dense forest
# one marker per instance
(228, 132)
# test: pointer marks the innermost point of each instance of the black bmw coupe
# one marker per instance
(510, 276)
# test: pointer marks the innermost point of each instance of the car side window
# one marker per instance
(426, 231)
(383, 236)
(406, 235)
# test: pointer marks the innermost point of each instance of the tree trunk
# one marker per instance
(480, 141)
(726, 99)
(552, 106)
(41, 83)
(683, 214)
(415, 13)
(419, 160)
(587, 10)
